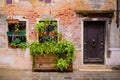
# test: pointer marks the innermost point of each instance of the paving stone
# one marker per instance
(11, 74)
(114, 79)
(35, 79)
(45, 78)
(57, 78)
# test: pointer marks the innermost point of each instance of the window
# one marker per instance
(9, 1)
(49, 32)
(17, 34)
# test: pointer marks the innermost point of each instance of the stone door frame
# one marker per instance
(107, 26)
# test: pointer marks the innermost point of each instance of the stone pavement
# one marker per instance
(14, 74)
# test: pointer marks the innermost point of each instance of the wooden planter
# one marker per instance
(46, 63)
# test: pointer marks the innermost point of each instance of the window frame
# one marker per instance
(12, 35)
(57, 20)
(27, 29)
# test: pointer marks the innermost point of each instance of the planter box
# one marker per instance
(46, 63)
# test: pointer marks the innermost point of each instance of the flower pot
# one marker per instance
(13, 47)
(52, 33)
(42, 34)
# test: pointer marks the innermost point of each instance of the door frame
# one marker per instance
(81, 20)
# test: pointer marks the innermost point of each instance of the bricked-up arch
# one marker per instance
(118, 12)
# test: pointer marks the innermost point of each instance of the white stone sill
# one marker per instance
(114, 49)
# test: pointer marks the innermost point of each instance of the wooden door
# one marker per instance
(94, 41)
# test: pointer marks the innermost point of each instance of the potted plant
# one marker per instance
(65, 51)
(15, 43)
(57, 54)
(46, 26)
(22, 45)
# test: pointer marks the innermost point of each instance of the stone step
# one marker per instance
(3, 66)
(95, 68)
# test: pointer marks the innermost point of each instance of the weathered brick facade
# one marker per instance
(69, 26)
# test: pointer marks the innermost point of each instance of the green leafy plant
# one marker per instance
(18, 43)
(65, 52)
(37, 48)
(22, 45)
(61, 64)
(40, 26)
(13, 44)
(54, 23)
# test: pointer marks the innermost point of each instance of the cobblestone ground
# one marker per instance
(12, 74)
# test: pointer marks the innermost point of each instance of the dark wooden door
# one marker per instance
(94, 41)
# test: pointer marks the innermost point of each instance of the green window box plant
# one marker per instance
(17, 43)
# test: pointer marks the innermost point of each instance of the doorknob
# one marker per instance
(93, 43)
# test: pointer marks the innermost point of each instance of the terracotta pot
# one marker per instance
(52, 33)
(13, 47)
(42, 34)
